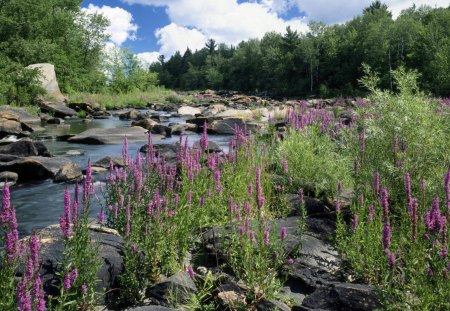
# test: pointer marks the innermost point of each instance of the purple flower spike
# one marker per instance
(5, 214)
(191, 272)
(283, 233)
(355, 222)
(376, 183)
(386, 234)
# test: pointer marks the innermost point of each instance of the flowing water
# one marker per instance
(39, 204)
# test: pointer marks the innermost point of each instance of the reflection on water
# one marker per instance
(40, 204)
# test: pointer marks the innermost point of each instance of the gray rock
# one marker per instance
(54, 121)
(9, 178)
(74, 152)
(151, 308)
(58, 110)
(101, 115)
(101, 136)
(68, 172)
(188, 110)
(166, 151)
(235, 113)
(225, 126)
(33, 168)
(272, 305)
(181, 283)
(106, 161)
(25, 148)
(147, 123)
(9, 127)
(178, 129)
(23, 115)
(212, 146)
(132, 114)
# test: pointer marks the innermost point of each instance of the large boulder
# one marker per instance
(68, 172)
(8, 177)
(236, 113)
(9, 127)
(102, 136)
(226, 126)
(180, 283)
(25, 148)
(37, 167)
(132, 114)
(23, 115)
(47, 79)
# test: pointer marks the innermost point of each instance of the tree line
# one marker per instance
(326, 61)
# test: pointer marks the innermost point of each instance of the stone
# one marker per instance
(54, 121)
(102, 136)
(235, 113)
(230, 300)
(145, 123)
(47, 79)
(178, 129)
(109, 245)
(154, 127)
(9, 127)
(23, 115)
(105, 162)
(25, 148)
(343, 296)
(188, 110)
(68, 172)
(225, 126)
(200, 121)
(101, 115)
(212, 147)
(166, 151)
(181, 283)
(9, 116)
(272, 305)
(9, 178)
(151, 308)
(132, 114)
(32, 168)
(74, 152)
(58, 110)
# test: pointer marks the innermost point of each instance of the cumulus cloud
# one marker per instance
(174, 38)
(121, 26)
(147, 58)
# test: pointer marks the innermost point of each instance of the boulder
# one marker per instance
(25, 148)
(105, 162)
(9, 127)
(101, 115)
(109, 246)
(58, 110)
(23, 115)
(235, 113)
(32, 168)
(132, 114)
(225, 126)
(145, 123)
(151, 308)
(68, 172)
(54, 121)
(178, 129)
(154, 127)
(8, 177)
(179, 283)
(84, 106)
(47, 79)
(166, 151)
(343, 297)
(102, 136)
(188, 110)
(212, 146)
(272, 305)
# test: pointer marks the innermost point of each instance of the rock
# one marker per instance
(25, 148)
(166, 151)
(188, 110)
(234, 113)
(305, 279)
(230, 300)
(109, 246)
(58, 110)
(178, 129)
(32, 168)
(68, 172)
(212, 147)
(9, 127)
(23, 115)
(145, 123)
(214, 109)
(180, 283)
(200, 121)
(314, 207)
(9, 116)
(272, 305)
(225, 126)
(154, 127)
(8, 177)
(343, 296)
(84, 106)
(54, 121)
(296, 297)
(101, 115)
(151, 308)
(106, 161)
(101, 136)
(132, 114)
(74, 152)
(160, 118)
(48, 81)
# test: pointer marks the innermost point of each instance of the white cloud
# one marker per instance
(121, 26)
(174, 38)
(147, 58)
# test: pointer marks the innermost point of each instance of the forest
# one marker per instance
(324, 62)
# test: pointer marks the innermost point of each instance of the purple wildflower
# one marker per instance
(377, 183)
(355, 222)
(386, 234)
(283, 233)
(371, 211)
(5, 214)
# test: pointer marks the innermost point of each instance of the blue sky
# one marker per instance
(154, 27)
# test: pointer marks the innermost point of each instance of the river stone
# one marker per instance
(178, 129)
(188, 110)
(106, 161)
(225, 126)
(9, 127)
(166, 151)
(132, 114)
(58, 110)
(74, 152)
(108, 243)
(68, 172)
(9, 178)
(102, 136)
(272, 305)
(145, 123)
(235, 113)
(25, 148)
(47, 79)
(101, 115)
(179, 283)
(32, 168)
(212, 146)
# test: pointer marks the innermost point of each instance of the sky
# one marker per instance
(154, 27)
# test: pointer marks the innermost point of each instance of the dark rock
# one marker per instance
(33, 168)
(151, 308)
(343, 296)
(272, 305)
(25, 148)
(58, 110)
(181, 283)
(154, 127)
(9, 127)
(54, 121)
(101, 136)
(68, 172)
(82, 106)
(101, 115)
(159, 117)
(314, 207)
(166, 151)
(200, 121)
(110, 248)
(305, 279)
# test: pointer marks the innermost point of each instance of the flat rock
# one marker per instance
(225, 126)
(132, 114)
(23, 115)
(178, 129)
(9, 127)
(180, 283)
(235, 113)
(105, 162)
(58, 110)
(102, 136)
(212, 146)
(188, 110)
